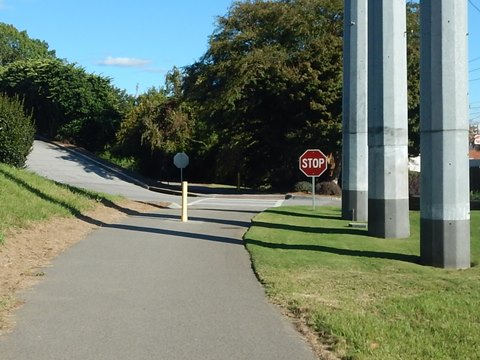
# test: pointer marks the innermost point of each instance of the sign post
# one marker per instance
(181, 161)
(184, 216)
(313, 163)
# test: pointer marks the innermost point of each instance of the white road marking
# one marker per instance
(239, 202)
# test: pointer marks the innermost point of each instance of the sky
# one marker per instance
(474, 60)
(135, 43)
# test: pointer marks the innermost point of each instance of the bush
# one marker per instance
(303, 186)
(16, 132)
(413, 183)
(475, 195)
(328, 188)
(475, 179)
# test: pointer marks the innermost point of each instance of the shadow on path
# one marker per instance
(101, 199)
(243, 224)
(88, 166)
(182, 234)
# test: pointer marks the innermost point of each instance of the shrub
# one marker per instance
(475, 179)
(303, 186)
(328, 188)
(475, 195)
(413, 183)
(16, 132)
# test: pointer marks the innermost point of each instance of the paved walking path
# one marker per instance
(154, 288)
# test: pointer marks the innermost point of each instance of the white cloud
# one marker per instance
(124, 61)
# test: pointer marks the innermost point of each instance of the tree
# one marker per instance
(413, 50)
(66, 102)
(270, 86)
(159, 125)
(17, 45)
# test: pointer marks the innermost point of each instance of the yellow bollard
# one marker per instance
(184, 201)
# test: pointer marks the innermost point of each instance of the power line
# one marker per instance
(477, 58)
(475, 69)
(474, 6)
(475, 79)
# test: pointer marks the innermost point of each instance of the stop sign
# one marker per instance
(313, 163)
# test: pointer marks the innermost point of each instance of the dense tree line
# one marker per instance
(65, 101)
(17, 45)
(269, 86)
(159, 125)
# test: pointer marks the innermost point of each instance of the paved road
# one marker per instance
(153, 287)
(72, 168)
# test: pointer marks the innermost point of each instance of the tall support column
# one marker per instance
(355, 138)
(445, 203)
(388, 206)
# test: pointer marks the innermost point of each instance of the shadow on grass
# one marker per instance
(304, 215)
(346, 252)
(37, 192)
(311, 229)
(324, 230)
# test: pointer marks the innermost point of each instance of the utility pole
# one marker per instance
(355, 127)
(445, 197)
(388, 205)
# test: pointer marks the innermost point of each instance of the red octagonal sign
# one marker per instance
(313, 163)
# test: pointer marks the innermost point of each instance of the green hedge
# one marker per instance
(17, 132)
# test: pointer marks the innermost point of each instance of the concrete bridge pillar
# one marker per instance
(445, 191)
(388, 206)
(355, 148)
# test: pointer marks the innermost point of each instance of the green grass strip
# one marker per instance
(368, 297)
(26, 198)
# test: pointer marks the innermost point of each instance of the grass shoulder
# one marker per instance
(39, 219)
(26, 198)
(368, 298)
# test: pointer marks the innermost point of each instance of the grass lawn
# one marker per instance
(26, 198)
(367, 297)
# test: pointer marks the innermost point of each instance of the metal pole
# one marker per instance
(313, 192)
(184, 201)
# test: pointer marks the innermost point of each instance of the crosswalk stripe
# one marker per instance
(238, 202)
